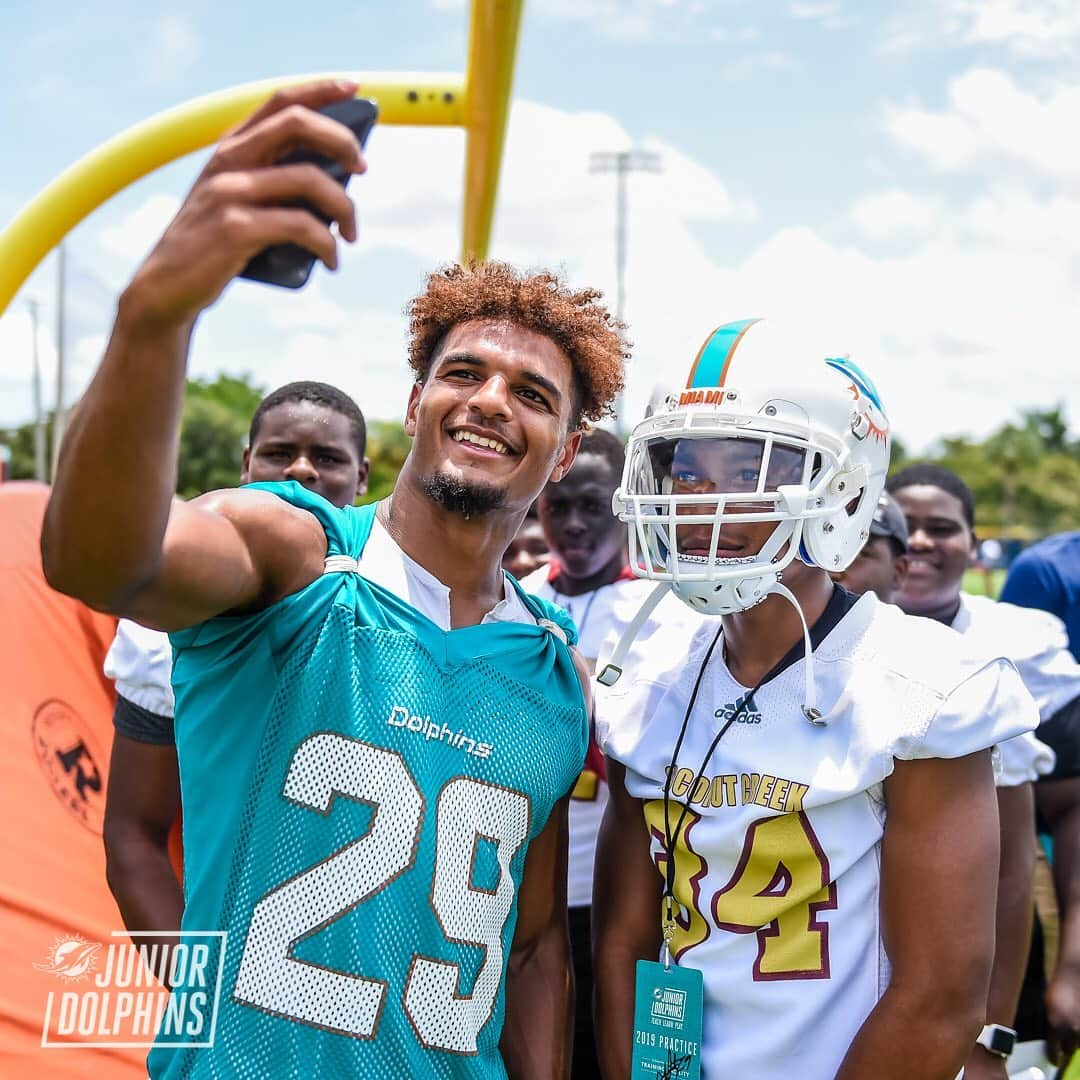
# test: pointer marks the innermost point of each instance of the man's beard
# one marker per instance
(459, 497)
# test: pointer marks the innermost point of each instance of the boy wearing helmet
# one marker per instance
(802, 796)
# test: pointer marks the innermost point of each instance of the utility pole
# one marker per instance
(622, 163)
(39, 417)
(58, 416)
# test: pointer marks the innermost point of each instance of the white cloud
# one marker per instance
(892, 215)
(991, 121)
(131, 240)
(550, 208)
(1014, 219)
(1029, 27)
(957, 338)
(82, 361)
(363, 354)
(17, 348)
(310, 311)
(1026, 29)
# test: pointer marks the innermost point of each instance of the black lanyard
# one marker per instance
(585, 616)
(744, 703)
(840, 603)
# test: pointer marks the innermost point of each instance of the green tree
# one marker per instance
(388, 446)
(214, 428)
(1025, 476)
(213, 432)
(20, 442)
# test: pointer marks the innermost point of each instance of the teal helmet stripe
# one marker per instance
(858, 377)
(710, 366)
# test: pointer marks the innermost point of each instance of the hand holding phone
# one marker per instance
(289, 265)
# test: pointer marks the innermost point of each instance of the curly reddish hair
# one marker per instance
(575, 320)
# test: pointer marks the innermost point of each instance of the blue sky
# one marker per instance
(908, 174)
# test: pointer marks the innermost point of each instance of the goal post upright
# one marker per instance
(493, 37)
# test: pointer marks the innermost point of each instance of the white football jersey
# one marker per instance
(777, 862)
(140, 660)
(600, 616)
(1036, 642)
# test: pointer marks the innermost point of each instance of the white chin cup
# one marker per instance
(726, 597)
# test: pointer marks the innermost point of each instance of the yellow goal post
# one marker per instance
(479, 101)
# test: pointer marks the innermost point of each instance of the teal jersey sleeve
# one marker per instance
(347, 528)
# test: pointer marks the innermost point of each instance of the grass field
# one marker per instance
(975, 582)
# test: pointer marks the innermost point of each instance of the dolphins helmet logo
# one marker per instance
(872, 419)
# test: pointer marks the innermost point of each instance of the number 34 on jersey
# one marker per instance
(778, 887)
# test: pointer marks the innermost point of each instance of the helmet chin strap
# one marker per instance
(613, 670)
(809, 707)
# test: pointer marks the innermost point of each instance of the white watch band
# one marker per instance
(997, 1039)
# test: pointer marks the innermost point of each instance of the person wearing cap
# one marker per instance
(881, 565)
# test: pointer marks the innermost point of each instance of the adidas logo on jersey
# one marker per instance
(742, 713)
(400, 717)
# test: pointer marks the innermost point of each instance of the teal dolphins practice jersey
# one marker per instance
(359, 790)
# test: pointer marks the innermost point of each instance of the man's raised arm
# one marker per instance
(112, 535)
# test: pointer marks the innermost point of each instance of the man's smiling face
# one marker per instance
(491, 422)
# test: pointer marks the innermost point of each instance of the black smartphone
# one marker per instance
(289, 265)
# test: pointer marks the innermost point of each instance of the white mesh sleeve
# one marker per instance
(987, 708)
(140, 661)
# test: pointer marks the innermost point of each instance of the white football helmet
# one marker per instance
(768, 428)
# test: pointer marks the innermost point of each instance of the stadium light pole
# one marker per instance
(61, 304)
(40, 473)
(622, 163)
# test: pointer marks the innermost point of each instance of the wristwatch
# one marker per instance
(997, 1040)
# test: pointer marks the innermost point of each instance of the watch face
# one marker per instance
(1001, 1041)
